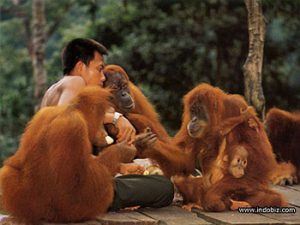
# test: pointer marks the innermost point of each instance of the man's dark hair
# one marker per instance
(80, 49)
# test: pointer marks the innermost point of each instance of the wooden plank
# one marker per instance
(173, 215)
(234, 217)
(126, 218)
(293, 187)
(91, 222)
(287, 218)
(9, 221)
(292, 196)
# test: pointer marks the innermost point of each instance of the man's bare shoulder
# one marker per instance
(65, 85)
(72, 82)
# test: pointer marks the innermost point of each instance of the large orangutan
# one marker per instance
(283, 129)
(53, 175)
(130, 101)
(205, 107)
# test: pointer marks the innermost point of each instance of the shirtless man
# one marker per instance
(83, 66)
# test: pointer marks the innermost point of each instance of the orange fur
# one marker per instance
(253, 186)
(191, 188)
(169, 157)
(283, 129)
(143, 107)
(53, 175)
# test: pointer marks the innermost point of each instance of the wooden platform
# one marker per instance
(174, 215)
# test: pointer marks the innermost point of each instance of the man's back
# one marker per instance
(63, 91)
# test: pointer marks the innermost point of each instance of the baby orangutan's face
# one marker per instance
(238, 162)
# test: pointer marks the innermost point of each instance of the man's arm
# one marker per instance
(126, 130)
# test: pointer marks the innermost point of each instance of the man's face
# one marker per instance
(93, 72)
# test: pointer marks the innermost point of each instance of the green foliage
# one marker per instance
(174, 46)
(15, 81)
(167, 47)
(282, 56)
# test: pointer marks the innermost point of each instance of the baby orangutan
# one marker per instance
(193, 188)
(232, 163)
(237, 162)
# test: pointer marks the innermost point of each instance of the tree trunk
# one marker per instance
(253, 66)
(38, 49)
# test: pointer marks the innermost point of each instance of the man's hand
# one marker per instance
(126, 131)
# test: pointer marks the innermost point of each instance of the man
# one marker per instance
(83, 66)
